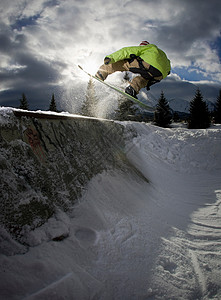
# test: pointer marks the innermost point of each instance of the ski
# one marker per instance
(136, 101)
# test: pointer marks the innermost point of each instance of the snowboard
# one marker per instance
(136, 101)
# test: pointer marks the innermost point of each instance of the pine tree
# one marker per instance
(24, 102)
(217, 110)
(176, 117)
(162, 114)
(126, 109)
(53, 106)
(89, 107)
(199, 113)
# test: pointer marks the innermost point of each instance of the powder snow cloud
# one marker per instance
(41, 43)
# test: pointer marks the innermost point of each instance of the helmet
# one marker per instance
(144, 43)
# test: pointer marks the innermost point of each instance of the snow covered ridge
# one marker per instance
(183, 149)
(143, 223)
(48, 158)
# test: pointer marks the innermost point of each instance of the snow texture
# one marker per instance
(145, 225)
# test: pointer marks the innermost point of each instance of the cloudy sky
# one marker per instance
(43, 41)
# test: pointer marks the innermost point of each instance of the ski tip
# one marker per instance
(80, 67)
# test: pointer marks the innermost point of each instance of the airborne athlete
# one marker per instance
(146, 59)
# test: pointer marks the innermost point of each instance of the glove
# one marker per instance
(107, 60)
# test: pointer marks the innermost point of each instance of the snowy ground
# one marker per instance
(130, 239)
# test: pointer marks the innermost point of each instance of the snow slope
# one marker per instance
(149, 229)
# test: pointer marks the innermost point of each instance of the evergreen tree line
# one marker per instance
(199, 115)
(24, 103)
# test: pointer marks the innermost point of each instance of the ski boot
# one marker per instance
(99, 75)
(131, 91)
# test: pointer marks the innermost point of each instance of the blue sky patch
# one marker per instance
(216, 45)
(190, 74)
(25, 22)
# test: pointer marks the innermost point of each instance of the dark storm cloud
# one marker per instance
(35, 71)
(32, 70)
(5, 43)
(195, 20)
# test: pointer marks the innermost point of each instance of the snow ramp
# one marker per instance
(48, 159)
(98, 209)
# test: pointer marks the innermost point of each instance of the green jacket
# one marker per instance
(149, 53)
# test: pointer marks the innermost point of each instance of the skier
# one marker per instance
(146, 59)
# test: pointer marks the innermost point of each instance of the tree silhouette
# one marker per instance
(89, 107)
(176, 117)
(53, 106)
(217, 110)
(162, 114)
(126, 109)
(199, 113)
(24, 102)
